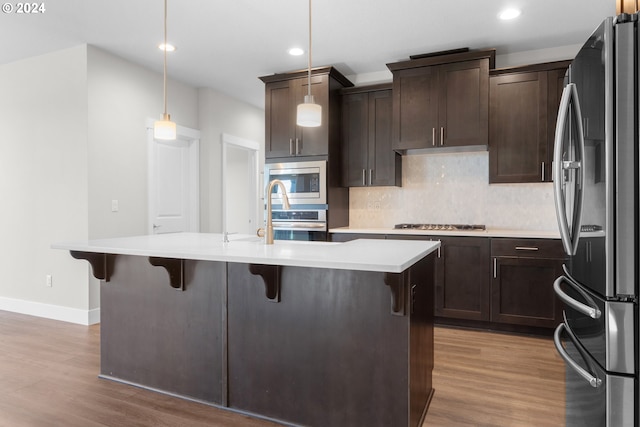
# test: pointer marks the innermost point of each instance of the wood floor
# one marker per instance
(48, 377)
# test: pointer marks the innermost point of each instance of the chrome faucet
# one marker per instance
(285, 204)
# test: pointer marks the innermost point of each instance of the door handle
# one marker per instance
(291, 146)
(433, 136)
(569, 238)
(441, 135)
(589, 310)
(595, 382)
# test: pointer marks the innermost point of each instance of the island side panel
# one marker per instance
(330, 353)
(158, 337)
(421, 357)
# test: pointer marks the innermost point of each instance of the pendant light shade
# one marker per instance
(309, 114)
(165, 129)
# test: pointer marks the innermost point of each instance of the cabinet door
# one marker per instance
(355, 139)
(518, 146)
(280, 119)
(384, 163)
(415, 108)
(464, 103)
(463, 278)
(312, 141)
(522, 291)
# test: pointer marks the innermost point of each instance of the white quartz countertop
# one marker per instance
(489, 232)
(393, 256)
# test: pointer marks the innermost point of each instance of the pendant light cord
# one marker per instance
(309, 67)
(164, 83)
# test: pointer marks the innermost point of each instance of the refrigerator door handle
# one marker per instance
(580, 173)
(592, 380)
(591, 310)
(558, 177)
(569, 237)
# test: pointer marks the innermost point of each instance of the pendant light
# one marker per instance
(309, 113)
(165, 129)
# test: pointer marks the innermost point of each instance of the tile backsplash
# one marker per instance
(453, 188)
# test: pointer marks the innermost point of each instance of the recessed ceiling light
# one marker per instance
(168, 47)
(296, 51)
(509, 14)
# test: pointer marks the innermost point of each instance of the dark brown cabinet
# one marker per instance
(497, 283)
(462, 286)
(523, 110)
(462, 278)
(283, 93)
(368, 159)
(441, 101)
(522, 282)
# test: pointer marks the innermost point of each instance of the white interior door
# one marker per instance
(173, 183)
(240, 185)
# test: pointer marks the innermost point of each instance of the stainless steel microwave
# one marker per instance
(305, 182)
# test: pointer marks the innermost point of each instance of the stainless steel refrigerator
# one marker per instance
(596, 194)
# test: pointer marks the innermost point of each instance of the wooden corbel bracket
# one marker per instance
(271, 276)
(395, 281)
(175, 268)
(101, 264)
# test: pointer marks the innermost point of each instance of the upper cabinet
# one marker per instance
(523, 110)
(368, 158)
(283, 93)
(441, 101)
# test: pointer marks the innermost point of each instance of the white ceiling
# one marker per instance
(226, 45)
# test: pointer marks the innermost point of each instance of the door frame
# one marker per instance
(253, 148)
(192, 138)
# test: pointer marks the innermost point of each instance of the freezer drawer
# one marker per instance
(606, 329)
(594, 398)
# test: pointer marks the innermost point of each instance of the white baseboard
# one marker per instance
(50, 311)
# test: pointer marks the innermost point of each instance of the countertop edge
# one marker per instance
(358, 254)
(489, 232)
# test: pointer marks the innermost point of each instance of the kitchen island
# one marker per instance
(301, 333)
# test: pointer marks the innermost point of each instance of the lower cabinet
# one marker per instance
(462, 286)
(462, 278)
(498, 282)
(522, 281)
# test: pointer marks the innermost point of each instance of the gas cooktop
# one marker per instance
(441, 227)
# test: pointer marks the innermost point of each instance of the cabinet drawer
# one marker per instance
(532, 248)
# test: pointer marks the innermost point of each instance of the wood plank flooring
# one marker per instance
(48, 377)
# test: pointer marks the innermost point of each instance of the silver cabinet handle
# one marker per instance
(441, 135)
(542, 173)
(593, 381)
(433, 136)
(364, 178)
(526, 248)
(370, 179)
(592, 311)
(495, 267)
(291, 146)
(297, 146)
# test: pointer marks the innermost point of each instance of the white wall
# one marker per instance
(43, 181)
(122, 96)
(220, 114)
(72, 139)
